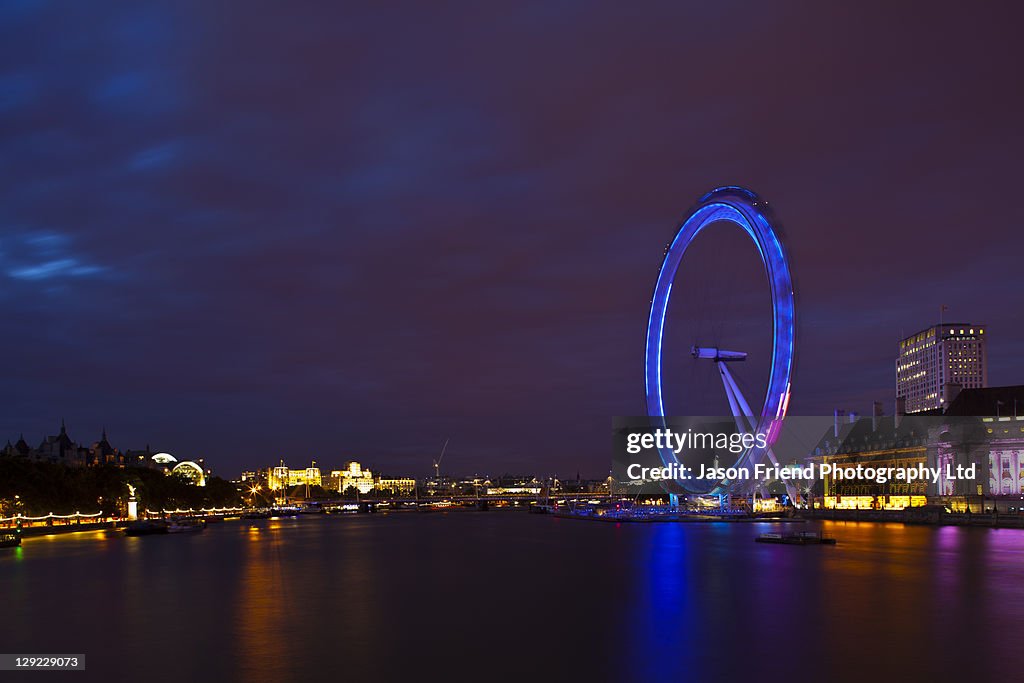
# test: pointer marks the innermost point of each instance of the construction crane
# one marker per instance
(437, 463)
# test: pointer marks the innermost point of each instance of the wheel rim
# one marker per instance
(745, 209)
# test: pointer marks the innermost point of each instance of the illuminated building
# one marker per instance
(277, 477)
(194, 471)
(994, 442)
(873, 442)
(311, 476)
(982, 429)
(401, 485)
(354, 476)
(164, 461)
(513, 486)
(467, 486)
(934, 363)
(251, 477)
(523, 490)
(766, 504)
(191, 471)
(284, 477)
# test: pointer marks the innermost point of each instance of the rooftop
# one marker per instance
(988, 401)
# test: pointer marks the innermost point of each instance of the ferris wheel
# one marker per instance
(743, 208)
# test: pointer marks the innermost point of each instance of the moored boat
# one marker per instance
(802, 538)
(284, 511)
(146, 527)
(179, 526)
(10, 539)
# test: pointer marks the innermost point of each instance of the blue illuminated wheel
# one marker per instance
(745, 209)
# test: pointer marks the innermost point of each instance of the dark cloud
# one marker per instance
(251, 232)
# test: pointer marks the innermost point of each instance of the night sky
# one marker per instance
(249, 232)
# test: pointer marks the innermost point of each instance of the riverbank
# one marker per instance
(28, 531)
(62, 527)
(929, 516)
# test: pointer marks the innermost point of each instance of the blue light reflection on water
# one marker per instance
(919, 602)
(662, 622)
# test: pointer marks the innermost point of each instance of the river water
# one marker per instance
(510, 596)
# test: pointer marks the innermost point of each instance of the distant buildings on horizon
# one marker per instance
(941, 370)
(61, 449)
(355, 477)
(352, 476)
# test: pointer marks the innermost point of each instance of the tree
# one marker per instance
(41, 488)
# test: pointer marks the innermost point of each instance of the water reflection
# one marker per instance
(661, 619)
(508, 595)
(260, 619)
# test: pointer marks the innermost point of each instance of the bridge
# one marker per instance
(510, 499)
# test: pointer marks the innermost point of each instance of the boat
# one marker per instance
(349, 508)
(146, 527)
(10, 539)
(180, 526)
(257, 514)
(802, 538)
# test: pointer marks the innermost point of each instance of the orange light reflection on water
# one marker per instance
(263, 610)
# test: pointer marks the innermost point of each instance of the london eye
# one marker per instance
(740, 207)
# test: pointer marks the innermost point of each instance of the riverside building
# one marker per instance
(283, 476)
(981, 428)
(935, 363)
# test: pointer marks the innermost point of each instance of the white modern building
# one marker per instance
(936, 363)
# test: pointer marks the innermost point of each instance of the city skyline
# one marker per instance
(221, 262)
(492, 341)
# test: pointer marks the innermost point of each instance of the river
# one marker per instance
(503, 595)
